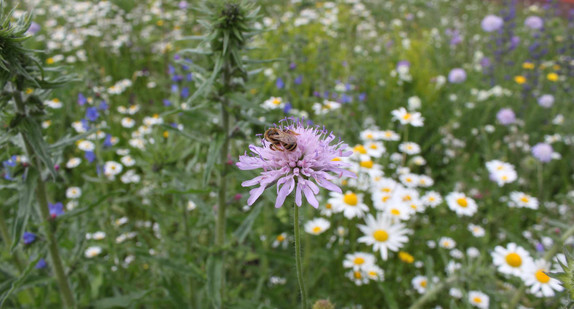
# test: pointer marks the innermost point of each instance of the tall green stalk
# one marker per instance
(44, 210)
(297, 234)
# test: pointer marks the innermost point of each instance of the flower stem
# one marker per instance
(431, 295)
(8, 241)
(42, 199)
(298, 256)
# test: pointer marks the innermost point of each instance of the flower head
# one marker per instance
(534, 22)
(542, 152)
(383, 234)
(457, 76)
(506, 116)
(313, 159)
(491, 23)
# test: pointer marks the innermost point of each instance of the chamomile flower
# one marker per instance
(191, 205)
(112, 168)
(418, 160)
(431, 199)
(522, 200)
(358, 277)
(86, 145)
(375, 149)
(350, 204)
(476, 230)
(317, 226)
(325, 107)
(374, 272)
(410, 148)
(73, 162)
(370, 135)
(389, 135)
(383, 234)
(273, 103)
(280, 240)
(409, 180)
(399, 210)
(128, 122)
(420, 284)
(93, 251)
(512, 260)
(73, 192)
(478, 299)
(405, 118)
(358, 260)
(536, 278)
(447, 243)
(461, 204)
(128, 161)
(53, 103)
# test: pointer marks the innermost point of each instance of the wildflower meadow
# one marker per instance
(287, 154)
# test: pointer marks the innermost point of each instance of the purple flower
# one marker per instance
(313, 158)
(41, 264)
(34, 28)
(546, 100)
(402, 63)
(92, 114)
(183, 5)
(81, 99)
(90, 156)
(287, 108)
(457, 76)
(542, 152)
(299, 80)
(279, 83)
(103, 106)
(534, 22)
(166, 102)
(185, 92)
(28, 238)
(56, 209)
(491, 23)
(506, 116)
(108, 141)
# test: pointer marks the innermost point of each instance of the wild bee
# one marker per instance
(281, 139)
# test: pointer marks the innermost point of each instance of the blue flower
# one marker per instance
(174, 88)
(171, 69)
(299, 80)
(287, 108)
(362, 96)
(56, 209)
(108, 141)
(185, 92)
(279, 83)
(166, 102)
(28, 238)
(103, 106)
(81, 99)
(41, 264)
(189, 77)
(90, 156)
(92, 114)
(85, 124)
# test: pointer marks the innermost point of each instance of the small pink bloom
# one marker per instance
(300, 170)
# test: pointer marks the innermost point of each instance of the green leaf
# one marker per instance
(25, 202)
(122, 301)
(18, 282)
(180, 132)
(212, 155)
(188, 268)
(214, 270)
(68, 140)
(245, 227)
(33, 134)
(188, 191)
(208, 82)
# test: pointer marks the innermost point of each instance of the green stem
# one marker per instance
(558, 245)
(8, 241)
(298, 256)
(222, 201)
(42, 199)
(540, 180)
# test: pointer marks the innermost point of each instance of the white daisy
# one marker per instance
(409, 180)
(420, 283)
(522, 200)
(535, 276)
(280, 240)
(73, 192)
(446, 242)
(476, 230)
(358, 277)
(86, 145)
(383, 234)
(389, 135)
(93, 251)
(317, 226)
(370, 135)
(128, 122)
(461, 204)
(425, 181)
(273, 103)
(399, 210)
(511, 260)
(128, 161)
(374, 272)
(99, 235)
(112, 168)
(73, 162)
(478, 299)
(405, 117)
(375, 149)
(409, 148)
(350, 204)
(431, 199)
(358, 260)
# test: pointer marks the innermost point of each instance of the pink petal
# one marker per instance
(284, 192)
(298, 199)
(255, 194)
(310, 197)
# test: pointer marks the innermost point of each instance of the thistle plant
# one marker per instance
(228, 28)
(22, 84)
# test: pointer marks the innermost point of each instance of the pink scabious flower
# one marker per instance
(313, 159)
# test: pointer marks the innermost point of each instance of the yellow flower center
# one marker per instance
(386, 190)
(381, 235)
(359, 261)
(542, 277)
(477, 300)
(407, 198)
(351, 199)
(524, 199)
(360, 149)
(406, 257)
(357, 275)
(367, 164)
(374, 146)
(276, 101)
(370, 136)
(280, 238)
(513, 259)
(520, 79)
(424, 283)
(395, 212)
(328, 206)
(385, 198)
(373, 273)
(407, 116)
(316, 229)
(462, 202)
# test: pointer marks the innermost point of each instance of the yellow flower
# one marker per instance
(406, 257)
(520, 79)
(50, 61)
(528, 65)
(552, 77)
